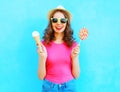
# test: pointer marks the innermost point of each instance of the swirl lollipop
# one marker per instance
(83, 34)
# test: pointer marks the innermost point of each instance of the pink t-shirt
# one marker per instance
(58, 64)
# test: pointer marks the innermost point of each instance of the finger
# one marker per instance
(38, 50)
(40, 47)
(76, 52)
(77, 49)
(78, 46)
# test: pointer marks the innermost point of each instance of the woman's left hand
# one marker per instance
(75, 52)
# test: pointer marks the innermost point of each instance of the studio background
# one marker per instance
(99, 55)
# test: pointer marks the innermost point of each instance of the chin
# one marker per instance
(59, 31)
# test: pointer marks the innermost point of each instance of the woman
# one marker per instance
(58, 59)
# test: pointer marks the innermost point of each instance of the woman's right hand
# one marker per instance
(42, 52)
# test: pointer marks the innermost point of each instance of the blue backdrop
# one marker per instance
(99, 56)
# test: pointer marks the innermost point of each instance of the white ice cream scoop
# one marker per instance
(35, 33)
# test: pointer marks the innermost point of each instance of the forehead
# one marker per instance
(58, 15)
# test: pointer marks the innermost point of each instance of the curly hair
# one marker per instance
(68, 33)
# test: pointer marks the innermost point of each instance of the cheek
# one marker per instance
(64, 28)
(53, 26)
(64, 25)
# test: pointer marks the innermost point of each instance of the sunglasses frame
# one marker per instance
(59, 20)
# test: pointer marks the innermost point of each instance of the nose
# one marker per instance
(58, 21)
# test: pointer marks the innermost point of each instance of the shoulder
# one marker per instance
(43, 42)
(74, 44)
(46, 44)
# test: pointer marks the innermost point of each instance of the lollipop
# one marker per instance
(83, 34)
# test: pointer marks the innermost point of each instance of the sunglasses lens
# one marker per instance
(54, 20)
(63, 20)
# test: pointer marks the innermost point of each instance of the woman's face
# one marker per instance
(59, 22)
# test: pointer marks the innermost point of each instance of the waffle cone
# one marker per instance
(37, 39)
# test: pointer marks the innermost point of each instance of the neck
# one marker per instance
(58, 38)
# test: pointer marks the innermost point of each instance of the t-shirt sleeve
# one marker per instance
(43, 42)
(74, 44)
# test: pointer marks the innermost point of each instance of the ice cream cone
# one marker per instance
(36, 36)
(37, 39)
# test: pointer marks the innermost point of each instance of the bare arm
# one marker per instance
(75, 61)
(42, 62)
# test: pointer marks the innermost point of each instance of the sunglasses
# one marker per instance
(62, 20)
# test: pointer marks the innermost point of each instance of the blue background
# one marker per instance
(99, 56)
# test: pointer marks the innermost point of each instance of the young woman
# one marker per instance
(58, 60)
